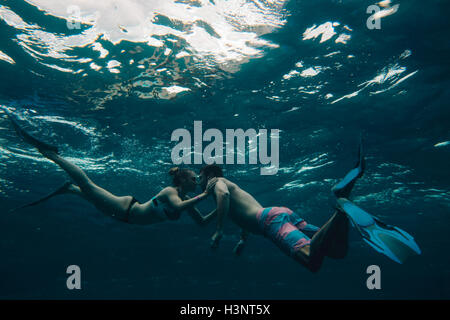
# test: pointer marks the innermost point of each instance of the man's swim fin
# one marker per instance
(389, 240)
(40, 145)
(61, 190)
(345, 186)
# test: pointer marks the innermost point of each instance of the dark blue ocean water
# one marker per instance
(111, 92)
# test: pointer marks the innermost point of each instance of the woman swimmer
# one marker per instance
(166, 205)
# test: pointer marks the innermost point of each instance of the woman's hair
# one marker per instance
(178, 175)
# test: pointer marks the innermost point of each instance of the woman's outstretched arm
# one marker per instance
(176, 203)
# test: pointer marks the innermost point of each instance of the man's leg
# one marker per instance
(279, 226)
(337, 245)
(311, 255)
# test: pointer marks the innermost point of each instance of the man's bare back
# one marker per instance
(243, 207)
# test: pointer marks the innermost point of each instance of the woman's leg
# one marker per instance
(102, 199)
(74, 189)
(105, 201)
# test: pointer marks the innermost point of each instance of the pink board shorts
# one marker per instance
(286, 229)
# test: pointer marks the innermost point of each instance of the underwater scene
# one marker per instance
(267, 113)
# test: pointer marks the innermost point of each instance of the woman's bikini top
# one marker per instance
(163, 210)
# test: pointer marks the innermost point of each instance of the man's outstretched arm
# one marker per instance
(223, 205)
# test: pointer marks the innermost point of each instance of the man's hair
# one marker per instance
(212, 170)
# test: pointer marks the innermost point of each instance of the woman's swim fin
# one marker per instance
(40, 145)
(61, 190)
(389, 240)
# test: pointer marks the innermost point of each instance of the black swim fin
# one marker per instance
(61, 190)
(345, 186)
(38, 144)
